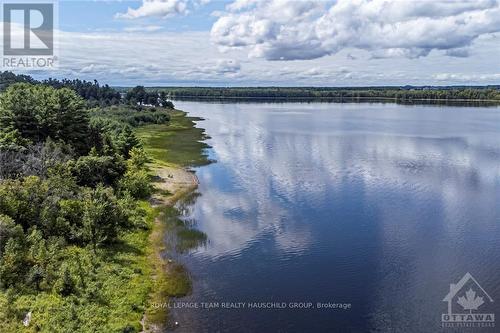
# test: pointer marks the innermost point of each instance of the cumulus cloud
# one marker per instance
(150, 58)
(158, 8)
(294, 30)
(162, 8)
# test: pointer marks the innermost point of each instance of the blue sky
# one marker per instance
(280, 42)
(100, 15)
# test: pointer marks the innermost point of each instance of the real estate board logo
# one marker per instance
(469, 305)
(29, 34)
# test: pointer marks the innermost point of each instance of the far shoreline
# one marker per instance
(337, 99)
(407, 94)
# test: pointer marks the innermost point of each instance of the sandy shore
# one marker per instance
(171, 183)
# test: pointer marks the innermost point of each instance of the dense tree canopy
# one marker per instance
(140, 96)
(94, 93)
(9, 78)
(37, 112)
(70, 178)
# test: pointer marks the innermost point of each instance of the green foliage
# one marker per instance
(65, 285)
(92, 170)
(139, 96)
(33, 253)
(11, 140)
(133, 115)
(9, 229)
(11, 263)
(8, 78)
(138, 159)
(137, 183)
(33, 202)
(136, 95)
(86, 216)
(38, 112)
(103, 293)
(109, 136)
(74, 246)
(23, 200)
(125, 140)
(102, 216)
(93, 92)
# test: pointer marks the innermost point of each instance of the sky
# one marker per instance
(280, 42)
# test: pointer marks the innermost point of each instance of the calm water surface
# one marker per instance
(378, 205)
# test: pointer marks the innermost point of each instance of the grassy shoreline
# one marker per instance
(174, 147)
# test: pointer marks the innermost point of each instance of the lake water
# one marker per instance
(380, 206)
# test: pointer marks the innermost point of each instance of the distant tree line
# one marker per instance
(407, 93)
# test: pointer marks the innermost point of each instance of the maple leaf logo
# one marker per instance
(470, 301)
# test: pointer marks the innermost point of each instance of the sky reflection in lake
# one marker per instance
(378, 205)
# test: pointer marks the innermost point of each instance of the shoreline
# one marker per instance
(333, 99)
(174, 149)
(156, 318)
(341, 100)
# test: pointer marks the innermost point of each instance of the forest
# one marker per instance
(73, 216)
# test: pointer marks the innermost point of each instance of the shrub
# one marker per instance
(92, 170)
(138, 159)
(9, 229)
(137, 183)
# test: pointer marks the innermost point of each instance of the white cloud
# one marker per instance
(130, 58)
(174, 58)
(146, 28)
(93, 68)
(162, 8)
(204, 2)
(158, 8)
(291, 30)
(141, 55)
